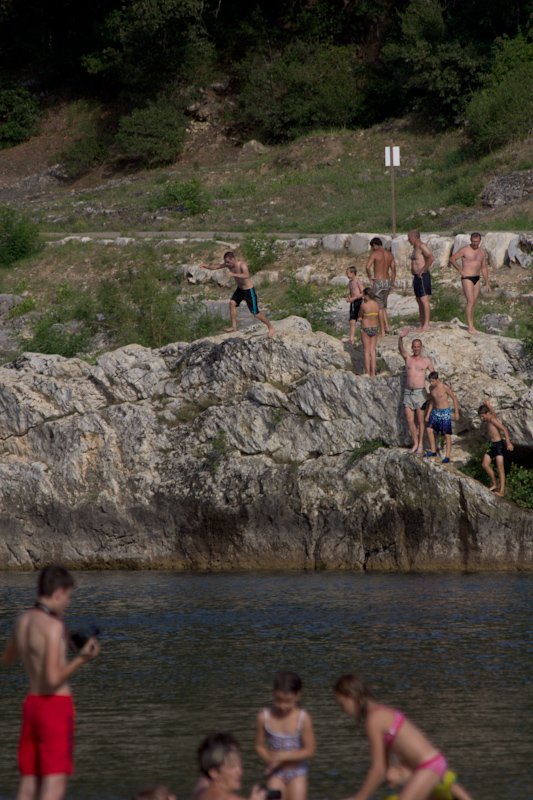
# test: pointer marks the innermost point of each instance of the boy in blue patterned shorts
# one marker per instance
(439, 415)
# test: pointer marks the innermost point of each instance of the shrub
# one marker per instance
(27, 305)
(447, 304)
(190, 195)
(153, 135)
(19, 236)
(366, 446)
(519, 483)
(259, 250)
(308, 86)
(19, 115)
(87, 151)
(502, 111)
(308, 301)
(50, 335)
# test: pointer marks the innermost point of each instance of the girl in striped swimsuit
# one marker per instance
(284, 738)
(388, 730)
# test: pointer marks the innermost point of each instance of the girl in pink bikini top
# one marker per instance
(383, 726)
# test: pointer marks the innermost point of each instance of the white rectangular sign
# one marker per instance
(395, 156)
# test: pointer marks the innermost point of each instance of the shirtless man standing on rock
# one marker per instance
(415, 395)
(382, 281)
(421, 260)
(244, 291)
(39, 638)
(474, 264)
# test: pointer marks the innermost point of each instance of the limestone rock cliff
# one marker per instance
(234, 452)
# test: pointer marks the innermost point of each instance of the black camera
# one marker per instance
(80, 638)
(272, 794)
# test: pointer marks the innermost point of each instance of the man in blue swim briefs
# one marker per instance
(415, 395)
(474, 264)
(421, 260)
(439, 415)
(244, 291)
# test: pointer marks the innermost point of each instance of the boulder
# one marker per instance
(306, 244)
(240, 451)
(496, 323)
(360, 242)
(254, 147)
(265, 276)
(319, 279)
(7, 302)
(509, 189)
(336, 242)
(339, 280)
(401, 250)
(303, 274)
(520, 250)
(441, 248)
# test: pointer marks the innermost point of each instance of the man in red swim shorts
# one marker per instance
(39, 638)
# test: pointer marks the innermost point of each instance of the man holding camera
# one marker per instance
(40, 640)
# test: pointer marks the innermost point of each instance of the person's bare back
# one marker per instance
(40, 640)
(382, 261)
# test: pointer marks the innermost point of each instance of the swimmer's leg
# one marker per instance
(420, 414)
(448, 438)
(297, 788)
(265, 321)
(501, 474)
(420, 785)
(471, 293)
(233, 315)
(488, 469)
(410, 417)
(275, 782)
(53, 787)
(431, 437)
(28, 787)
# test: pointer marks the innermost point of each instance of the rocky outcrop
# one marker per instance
(509, 189)
(237, 451)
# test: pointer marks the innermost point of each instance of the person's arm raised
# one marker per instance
(401, 348)
(56, 674)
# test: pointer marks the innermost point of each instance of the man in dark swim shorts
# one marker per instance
(244, 291)
(495, 448)
(421, 260)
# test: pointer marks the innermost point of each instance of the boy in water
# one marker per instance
(439, 415)
(495, 448)
(244, 291)
(39, 638)
(355, 299)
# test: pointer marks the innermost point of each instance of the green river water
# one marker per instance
(184, 655)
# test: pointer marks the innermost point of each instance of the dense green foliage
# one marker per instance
(19, 236)
(503, 110)
(294, 64)
(190, 195)
(19, 115)
(306, 87)
(259, 250)
(138, 305)
(152, 135)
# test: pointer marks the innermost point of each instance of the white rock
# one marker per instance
(336, 242)
(360, 242)
(125, 240)
(319, 279)
(265, 276)
(306, 244)
(517, 255)
(339, 280)
(303, 274)
(401, 250)
(441, 248)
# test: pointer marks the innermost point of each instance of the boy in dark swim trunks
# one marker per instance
(244, 291)
(355, 299)
(495, 448)
(439, 415)
(39, 638)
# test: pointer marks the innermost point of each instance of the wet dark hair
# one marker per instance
(53, 577)
(377, 241)
(215, 749)
(368, 292)
(483, 409)
(433, 375)
(229, 254)
(475, 235)
(288, 682)
(152, 791)
(355, 687)
(352, 269)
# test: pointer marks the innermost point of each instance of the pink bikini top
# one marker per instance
(397, 722)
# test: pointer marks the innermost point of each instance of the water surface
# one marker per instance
(184, 655)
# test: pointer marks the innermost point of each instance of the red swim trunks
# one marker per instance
(47, 736)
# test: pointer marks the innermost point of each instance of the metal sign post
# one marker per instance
(395, 162)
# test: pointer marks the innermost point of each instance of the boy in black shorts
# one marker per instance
(244, 291)
(355, 299)
(495, 448)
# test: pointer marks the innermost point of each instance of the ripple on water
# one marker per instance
(184, 655)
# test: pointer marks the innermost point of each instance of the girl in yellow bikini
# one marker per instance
(369, 330)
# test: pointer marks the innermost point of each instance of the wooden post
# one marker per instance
(392, 191)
